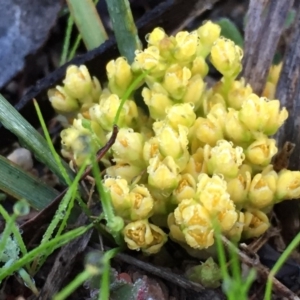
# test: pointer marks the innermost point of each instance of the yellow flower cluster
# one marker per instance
(193, 155)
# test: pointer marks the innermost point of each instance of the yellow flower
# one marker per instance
(190, 212)
(61, 101)
(226, 57)
(212, 194)
(254, 113)
(128, 147)
(237, 93)
(141, 235)
(261, 151)
(238, 187)
(119, 76)
(214, 107)
(156, 36)
(138, 235)
(151, 149)
(175, 231)
(172, 142)
(256, 224)
(186, 188)
(196, 164)
(159, 239)
(163, 174)
(119, 191)
(276, 117)
(176, 80)
(104, 112)
(235, 130)
(223, 158)
(181, 114)
(199, 237)
(194, 91)
(234, 234)
(124, 171)
(207, 131)
(149, 60)
(78, 82)
(288, 185)
(199, 66)
(141, 203)
(262, 189)
(96, 90)
(208, 33)
(186, 45)
(157, 102)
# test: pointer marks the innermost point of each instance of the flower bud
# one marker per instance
(119, 76)
(105, 112)
(261, 151)
(172, 142)
(199, 66)
(288, 185)
(235, 130)
(181, 114)
(208, 33)
(237, 93)
(238, 187)
(175, 232)
(156, 36)
(212, 194)
(119, 191)
(226, 57)
(223, 158)
(207, 131)
(186, 46)
(96, 90)
(198, 237)
(256, 224)
(276, 117)
(157, 103)
(159, 239)
(254, 113)
(215, 109)
(234, 234)
(138, 235)
(176, 80)
(151, 149)
(142, 203)
(149, 60)
(194, 91)
(186, 189)
(128, 147)
(163, 174)
(262, 190)
(61, 101)
(124, 171)
(78, 82)
(196, 164)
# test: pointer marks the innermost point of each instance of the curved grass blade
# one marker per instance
(20, 184)
(32, 140)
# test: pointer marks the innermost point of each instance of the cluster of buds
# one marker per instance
(197, 156)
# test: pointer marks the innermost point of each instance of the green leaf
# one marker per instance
(230, 31)
(20, 184)
(32, 140)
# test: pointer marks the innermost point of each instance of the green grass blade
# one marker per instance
(88, 22)
(66, 45)
(32, 140)
(37, 193)
(124, 27)
(56, 243)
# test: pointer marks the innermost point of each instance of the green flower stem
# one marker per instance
(283, 257)
(124, 27)
(115, 224)
(104, 285)
(73, 285)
